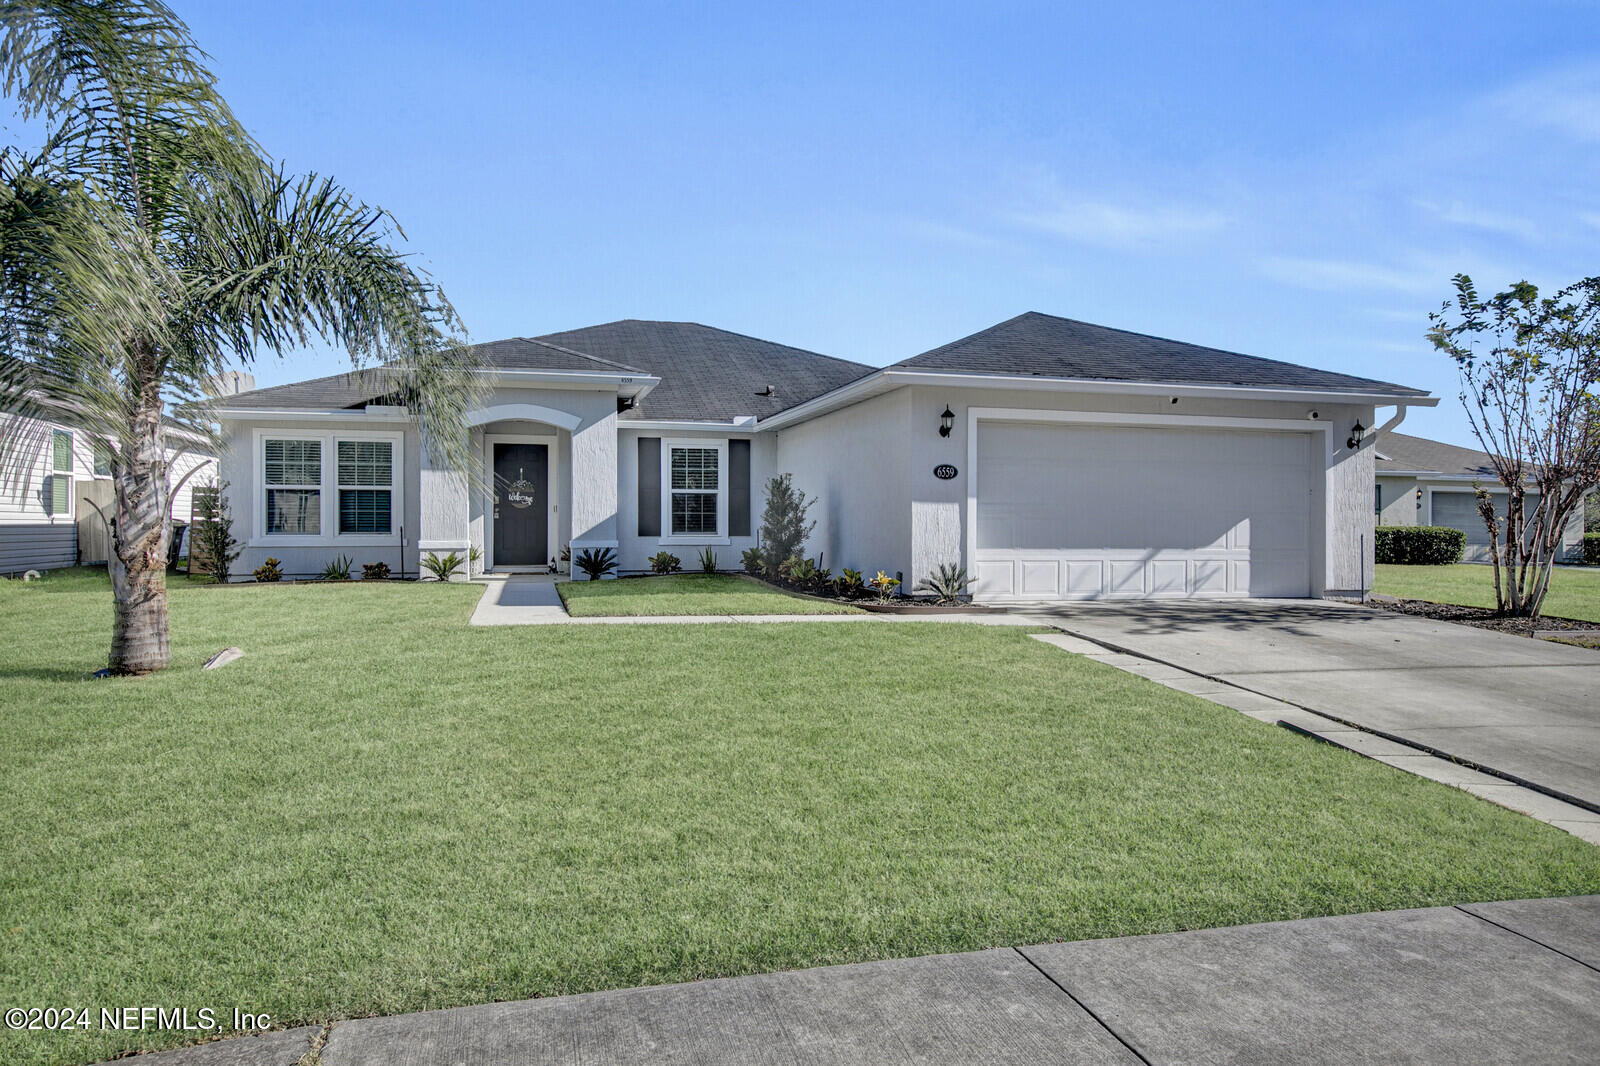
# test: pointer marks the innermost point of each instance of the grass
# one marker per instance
(381, 809)
(1573, 593)
(686, 594)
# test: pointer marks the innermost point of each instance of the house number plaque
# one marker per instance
(944, 471)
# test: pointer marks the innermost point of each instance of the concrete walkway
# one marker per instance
(518, 600)
(1482, 983)
(1526, 708)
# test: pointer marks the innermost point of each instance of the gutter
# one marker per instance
(889, 378)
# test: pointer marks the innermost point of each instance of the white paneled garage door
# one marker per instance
(1084, 511)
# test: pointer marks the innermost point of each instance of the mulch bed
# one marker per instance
(895, 605)
(1483, 617)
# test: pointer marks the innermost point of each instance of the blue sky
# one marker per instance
(1294, 181)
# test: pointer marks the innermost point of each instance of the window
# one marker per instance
(293, 476)
(696, 486)
(58, 496)
(102, 460)
(1377, 499)
(366, 482)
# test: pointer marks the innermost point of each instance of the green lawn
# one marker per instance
(686, 594)
(1573, 593)
(382, 809)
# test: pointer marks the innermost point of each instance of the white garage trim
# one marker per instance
(975, 415)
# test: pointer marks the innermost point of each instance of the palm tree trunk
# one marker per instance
(139, 545)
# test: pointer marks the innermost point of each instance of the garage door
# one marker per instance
(1090, 512)
(1459, 510)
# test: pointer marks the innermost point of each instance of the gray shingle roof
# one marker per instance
(711, 373)
(714, 375)
(1418, 453)
(1039, 345)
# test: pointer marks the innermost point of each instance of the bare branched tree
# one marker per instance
(1530, 382)
(148, 244)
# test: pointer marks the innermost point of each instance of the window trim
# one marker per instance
(329, 487)
(720, 446)
(340, 488)
(53, 474)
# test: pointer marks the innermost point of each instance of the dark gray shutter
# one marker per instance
(649, 486)
(738, 488)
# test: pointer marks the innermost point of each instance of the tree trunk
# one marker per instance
(139, 540)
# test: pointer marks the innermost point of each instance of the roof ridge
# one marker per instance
(350, 373)
(730, 333)
(581, 355)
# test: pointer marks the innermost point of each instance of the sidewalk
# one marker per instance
(1480, 983)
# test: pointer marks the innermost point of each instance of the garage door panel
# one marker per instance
(1127, 511)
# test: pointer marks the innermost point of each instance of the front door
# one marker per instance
(521, 505)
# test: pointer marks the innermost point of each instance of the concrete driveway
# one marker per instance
(1520, 706)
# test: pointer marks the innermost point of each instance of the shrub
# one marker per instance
(1424, 545)
(948, 583)
(374, 571)
(798, 571)
(849, 584)
(597, 563)
(212, 548)
(752, 561)
(784, 528)
(884, 586)
(338, 570)
(664, 562)
(1591, 549)
(443, 569)
(268, 571)
(708, 561)
(474, 557)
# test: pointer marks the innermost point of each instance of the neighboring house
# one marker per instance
(1052, 458)
(55, 492)
(1421, 482)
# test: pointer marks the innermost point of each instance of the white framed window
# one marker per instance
(694, 491)
(334, 488)
(58, 491)
(366, 486)
(291, 470)
(102, 460)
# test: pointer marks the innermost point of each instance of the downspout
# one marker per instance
(1378, 435)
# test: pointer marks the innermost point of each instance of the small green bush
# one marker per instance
(268, 571)
(1591, 549)
(338, 570)
(664, 562)
(596, 563)
(374, 571)
(708, 561)
(443, 568)
(752, 561)
(1419, 545)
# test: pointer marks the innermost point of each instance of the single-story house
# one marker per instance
(56, 495)
(1052, 458)
(1421, 482)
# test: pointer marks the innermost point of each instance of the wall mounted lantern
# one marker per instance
(1357, 432)
(947, 421)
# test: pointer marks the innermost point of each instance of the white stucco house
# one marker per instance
(1053, 458)
(1421, 482)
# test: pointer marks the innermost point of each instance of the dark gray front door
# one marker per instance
(521, 505)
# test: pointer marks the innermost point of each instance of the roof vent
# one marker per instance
(769, 390)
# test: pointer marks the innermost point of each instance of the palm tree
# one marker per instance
(149, 244)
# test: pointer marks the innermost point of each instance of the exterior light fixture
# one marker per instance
(1357, 432)
(947, 421)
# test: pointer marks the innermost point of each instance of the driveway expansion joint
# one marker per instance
(1531, 939)
(1081, 1005)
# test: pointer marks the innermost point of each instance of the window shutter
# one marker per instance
(649, 486)
(738, 488)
